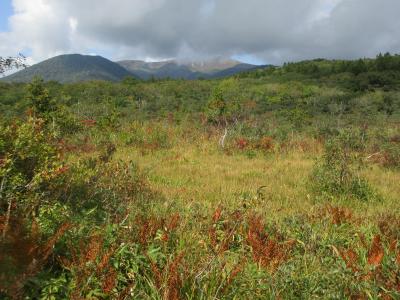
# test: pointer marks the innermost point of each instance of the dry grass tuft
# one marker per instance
(109, 281)
(148, 228)
(237, 269)
(267, 251)
(350, 257)
(168, 279)
(23, 254)
(376, 252)
(339, 215)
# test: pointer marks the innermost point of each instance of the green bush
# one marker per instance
(49, 208)
(28, 164)
(42, 103)
(338, 172)
(154, 136)
(391, 154)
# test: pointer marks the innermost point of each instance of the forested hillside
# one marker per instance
(71, 68)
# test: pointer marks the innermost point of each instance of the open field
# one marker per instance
(204, 175)
(275, 184)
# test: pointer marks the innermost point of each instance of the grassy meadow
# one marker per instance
(274, 184)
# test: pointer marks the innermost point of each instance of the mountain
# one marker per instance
(163, 69)
(72, 68)
(240, 67)
(211, 65)
(76, 68)
(212, 68)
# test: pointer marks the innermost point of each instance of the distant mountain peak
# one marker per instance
(185, 68)
(77, 67)
(72, 68)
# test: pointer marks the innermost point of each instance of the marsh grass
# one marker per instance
(159, 210)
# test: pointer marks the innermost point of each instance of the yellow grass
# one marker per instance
(202, 175)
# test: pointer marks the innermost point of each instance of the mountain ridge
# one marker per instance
(212, 68)
(68, 68)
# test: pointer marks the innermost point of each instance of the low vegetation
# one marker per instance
(274, 184)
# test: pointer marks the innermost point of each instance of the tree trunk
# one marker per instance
(223, 137)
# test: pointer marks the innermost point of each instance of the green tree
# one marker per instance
(338, 173)
(130, 80)
(224, 107)
(42, 103)
(358, 67)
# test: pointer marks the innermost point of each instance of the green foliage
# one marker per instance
(130, 80)
(391, 153)
(338, 173)
(29, 163)
(78, 219)
(298, 117)
(38, 188)
(72, 68)
(151, 137)
(42, 103)
(64, 122)
(224, 104)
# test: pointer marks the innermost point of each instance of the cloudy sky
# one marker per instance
(260, 31)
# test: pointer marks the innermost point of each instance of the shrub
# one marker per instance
(42, 103)
(29, 164)
(242, 143)
(43, 199)
(391, 154)
(266, 143)
(338, 172)
(153, 137)
(31, 173)
(387, 151)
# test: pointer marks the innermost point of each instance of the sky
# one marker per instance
(6, 11)
(255, 31)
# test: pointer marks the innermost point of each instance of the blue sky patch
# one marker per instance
(6, 10)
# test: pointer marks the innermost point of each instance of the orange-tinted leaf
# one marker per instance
(376, 253)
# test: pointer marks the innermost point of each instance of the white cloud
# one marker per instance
(73, 24)
(271, 30)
